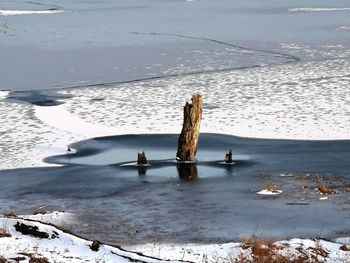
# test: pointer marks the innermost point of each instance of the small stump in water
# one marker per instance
(141, 158)
(228, 157)
(188, 140)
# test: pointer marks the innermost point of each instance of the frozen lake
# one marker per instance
(75, 70)
(126, 204)
(89, 42)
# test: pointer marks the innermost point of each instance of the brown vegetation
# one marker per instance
(4, 231)
(34, 259)
(270, 185)
(344, 248)
(40, 212)
(10, 214)
(318, 250)
(18, 259)
(268, 251)
(321, 186)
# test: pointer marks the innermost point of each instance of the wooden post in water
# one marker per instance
(228, 157)
(188, 140)
(141, 158)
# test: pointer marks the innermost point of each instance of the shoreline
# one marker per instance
(73, 248)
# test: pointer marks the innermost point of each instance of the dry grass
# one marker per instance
(270, 185)
(34, 259)
(40, 212)
(262, 250)
(306, 181)
(268, 251)
(323, 188)
(18, 259)
(4, 231)
(344, 248)
(319, 253)
(10, 214)
(319, 250)
(2, 259)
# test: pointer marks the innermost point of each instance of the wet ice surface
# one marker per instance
(123, 204)
(93, 42)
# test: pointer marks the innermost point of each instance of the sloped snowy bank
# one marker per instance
(19, 238)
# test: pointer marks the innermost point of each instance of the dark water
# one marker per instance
(127, 204)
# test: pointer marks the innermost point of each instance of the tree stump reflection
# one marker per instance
(187, 171)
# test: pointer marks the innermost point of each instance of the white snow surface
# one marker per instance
(58, 117)
(318, 9)
(28, 12)
(230, 251)
(269, 192)
(66, 247)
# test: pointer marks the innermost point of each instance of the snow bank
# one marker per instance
(318, 250)
(59, 246)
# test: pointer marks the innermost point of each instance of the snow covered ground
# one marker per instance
(57, 246)
(35, 240)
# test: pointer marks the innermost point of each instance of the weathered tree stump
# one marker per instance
(228, 157)
(188, 140)
(141, 158)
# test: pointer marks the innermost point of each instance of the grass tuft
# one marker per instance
(270, 185)
(10, 214)
(4, 231)
(324, 189)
